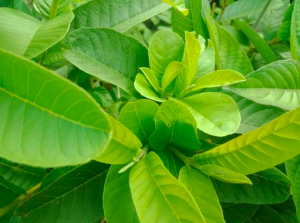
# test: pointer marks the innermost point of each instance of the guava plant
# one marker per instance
(143, 111)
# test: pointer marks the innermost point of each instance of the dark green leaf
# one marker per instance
(118, 203)
(174, 124)
(75, 196)
(269, 187)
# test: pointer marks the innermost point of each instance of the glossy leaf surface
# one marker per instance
(276, 84)
(260, 149)
(158, 196)
(138, 117)
(201, 187)
(215, 113)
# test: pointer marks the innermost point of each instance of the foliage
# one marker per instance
(142, 111)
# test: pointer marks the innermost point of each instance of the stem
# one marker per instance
(262, 13)
(181, 156)
(54, 8)
(140, 154)
(15, 203)
(274, 41)
(118, 93)
(53, 12)
(222, 11)
(213, 8)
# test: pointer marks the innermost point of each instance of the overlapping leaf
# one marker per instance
(77, 191)
(243, 8)
(261, 45)
(174, 124)
(193, 21)
(138, 117)
(165, 47)
(201, 187)
(269, 186)
(260, 149)
(215, 113)
(25, 35)
(229, 54)
(119, 15)
(118, 203)
(104, 53)
(276, 84)
(64, 125)
(158, 196)
(295, 31)
(224, 175)
(292, 167)
(254, 115)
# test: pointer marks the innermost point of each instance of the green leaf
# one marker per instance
(171, 161)
(284, 32)
(151, 79)
(295, 31)
(8, 192)
(179, 5)
(254, 115)
(164, 48)
(271, 23)
(9, 218)
(107, 13)
(269, 187)
(194, 21)
(123, 146)
(225, 175)
(108, 55)
(276, 84)
(243, 8)
(143, 86)
(201, 187)
(138, 117)
(215, 113)
(53, 111)
(217, 79)
(158, 196)
(229, 54)
(22, 176)
(239, 213)
(197, 17)
(44, 7)
(261, 45)
(260, 149)
(5, 3)
(66, 199)
(102, 96)
(25, 35)
(117, 200)
(292, 168)
(265, 214)
(190, 61)
(172, 71)
(206, 62)
(174, 124)
(190, 58)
